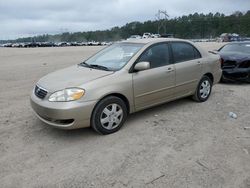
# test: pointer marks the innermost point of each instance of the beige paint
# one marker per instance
(142, 89)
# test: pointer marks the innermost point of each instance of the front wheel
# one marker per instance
(109, 115)
(203, 89)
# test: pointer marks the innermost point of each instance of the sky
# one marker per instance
(22, 18)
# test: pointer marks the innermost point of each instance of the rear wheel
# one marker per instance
(203, 90)
(109, 115)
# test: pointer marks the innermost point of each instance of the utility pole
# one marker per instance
(162, 17)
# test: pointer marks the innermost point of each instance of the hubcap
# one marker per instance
(111, 116)
(205, 89)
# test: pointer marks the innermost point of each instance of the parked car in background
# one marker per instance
(167, 35)
(52, 44)
(155, 35)
(146, 35)
(16, 45)
(124, 78)
(229, 37)
(235, 61)
(94, 43)
(134, 37)
(7, 45)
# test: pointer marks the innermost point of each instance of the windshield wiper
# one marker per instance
(94, 66)
(99, 67)
(84, 64)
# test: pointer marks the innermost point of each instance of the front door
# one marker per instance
(155, 85)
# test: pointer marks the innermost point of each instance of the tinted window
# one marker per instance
(184, 52)
(157, 55)
(197, 54)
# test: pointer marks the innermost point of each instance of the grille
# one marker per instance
(245, 64)
(40, 92)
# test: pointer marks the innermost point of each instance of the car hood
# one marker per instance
(73, 76)
(234, 56)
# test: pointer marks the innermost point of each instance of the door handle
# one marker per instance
(170, 69)
(198, 62)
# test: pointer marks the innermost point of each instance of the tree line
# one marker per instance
(188, 26)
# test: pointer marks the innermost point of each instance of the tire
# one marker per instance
(109, 115)
(203, 89)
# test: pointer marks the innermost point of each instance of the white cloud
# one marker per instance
(29, 17)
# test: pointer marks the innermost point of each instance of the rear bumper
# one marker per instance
(64, 115)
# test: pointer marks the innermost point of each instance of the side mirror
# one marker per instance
(142, 66)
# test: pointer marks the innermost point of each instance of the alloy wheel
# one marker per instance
(111, 116)
(205, 89)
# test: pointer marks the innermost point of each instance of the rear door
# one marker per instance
(155, 85)
(188, 67)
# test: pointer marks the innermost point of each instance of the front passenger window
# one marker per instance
(157, 55)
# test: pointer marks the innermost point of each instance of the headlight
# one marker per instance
(66, 95)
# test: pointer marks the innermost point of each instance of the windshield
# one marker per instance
(115, 56)
(244, 48)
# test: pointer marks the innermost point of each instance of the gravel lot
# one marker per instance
(179, 144)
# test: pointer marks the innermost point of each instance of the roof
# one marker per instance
(152, 40)
(149, 41)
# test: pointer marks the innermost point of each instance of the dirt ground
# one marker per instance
(178, 145)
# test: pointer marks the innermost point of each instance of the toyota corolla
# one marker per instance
(124, 78)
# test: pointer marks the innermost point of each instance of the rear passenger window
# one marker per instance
(184, 52)
(157, 55)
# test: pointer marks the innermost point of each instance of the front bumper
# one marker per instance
(237, 74)
(64, 115)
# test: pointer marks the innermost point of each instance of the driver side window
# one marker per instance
(157, 55)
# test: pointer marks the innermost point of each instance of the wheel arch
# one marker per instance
(210, 76)
(119, 95)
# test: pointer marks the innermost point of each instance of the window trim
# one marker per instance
(131, 70)
(171, 49)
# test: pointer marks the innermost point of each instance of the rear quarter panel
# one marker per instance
(212, 65)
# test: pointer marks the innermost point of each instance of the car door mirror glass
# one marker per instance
(142, 66)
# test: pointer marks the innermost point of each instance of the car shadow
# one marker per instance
(71, 135)
(89, 133)
(234, 83)
(159, 109)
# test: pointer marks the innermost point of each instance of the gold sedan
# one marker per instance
(124, 78)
